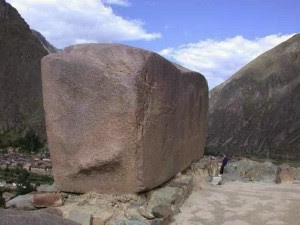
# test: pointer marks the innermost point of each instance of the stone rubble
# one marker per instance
(248, 171)
(80, 217)
(45, 200)
(296, 173)
(155, 207)
(8, 195)
(47, 188)
(284, 173)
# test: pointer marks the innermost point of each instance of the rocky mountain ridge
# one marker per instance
(21, 49)
(257, 110)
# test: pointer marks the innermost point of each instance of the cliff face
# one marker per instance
(21, 103)
(257, 111)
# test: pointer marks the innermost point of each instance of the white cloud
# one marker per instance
(74, 21)
(117, 2)
(219, 59)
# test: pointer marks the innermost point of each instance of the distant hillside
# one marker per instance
(257, 111)
(21, 105)
(49, 48)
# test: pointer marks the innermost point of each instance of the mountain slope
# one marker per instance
(21, 105)
(257, 111)
(49, 48)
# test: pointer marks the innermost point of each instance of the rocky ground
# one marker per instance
(248, 193)
(155, 207)
(240, 203)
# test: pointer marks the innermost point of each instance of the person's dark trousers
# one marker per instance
(222, 169)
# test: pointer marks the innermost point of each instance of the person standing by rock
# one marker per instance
(224, 163)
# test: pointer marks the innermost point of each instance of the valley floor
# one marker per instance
(237, 203)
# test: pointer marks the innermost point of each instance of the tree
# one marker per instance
(23, 182)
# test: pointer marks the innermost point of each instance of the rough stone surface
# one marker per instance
(121, 119)
(166, 195)
(284, 173)
(132, 208)
(8, 195)
(47, 188)
(146, 213)
(101, 219)
(216, 180)
(296, 173)
(207, 167)
(13, 217)
(23, 202)
(53, 211)
(21, 103)
(80, 217)
(248, 170)
(162, 211)
(48, 200)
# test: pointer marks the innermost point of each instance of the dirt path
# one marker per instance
(239, 203)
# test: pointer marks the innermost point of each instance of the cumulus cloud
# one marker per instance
(74, 21)
(117, 2)
(219, 59)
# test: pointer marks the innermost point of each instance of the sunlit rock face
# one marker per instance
(121, 119)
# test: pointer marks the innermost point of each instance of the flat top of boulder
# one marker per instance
(120, 57)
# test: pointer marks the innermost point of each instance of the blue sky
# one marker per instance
(185, 21)
(214, 37)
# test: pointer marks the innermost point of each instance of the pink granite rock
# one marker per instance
(44, 200)
(121, 119)
(284, 173)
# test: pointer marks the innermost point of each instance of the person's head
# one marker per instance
(224, 155)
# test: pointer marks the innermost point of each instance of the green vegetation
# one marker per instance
(27, 140)
(23, 183)
(24, 179)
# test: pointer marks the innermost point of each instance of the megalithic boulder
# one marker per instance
(121, 119)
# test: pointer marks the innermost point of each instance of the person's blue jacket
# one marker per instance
(225, 161)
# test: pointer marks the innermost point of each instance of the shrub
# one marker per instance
(28, 140)
(23, 182)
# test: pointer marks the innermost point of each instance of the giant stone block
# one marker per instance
(121, 119)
